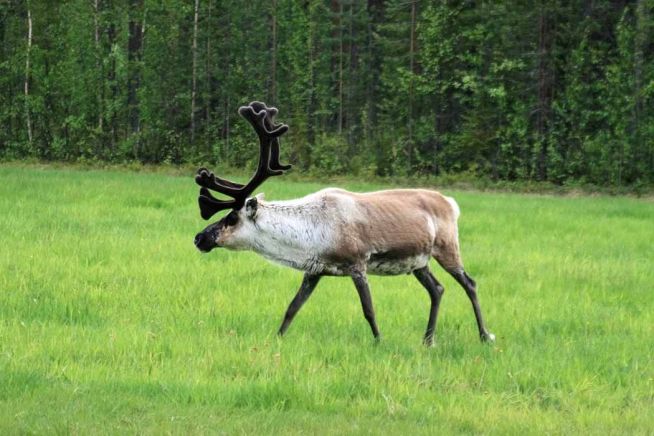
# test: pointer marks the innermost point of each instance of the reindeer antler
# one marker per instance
(262, 119)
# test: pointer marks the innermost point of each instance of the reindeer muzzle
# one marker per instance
(204, 242)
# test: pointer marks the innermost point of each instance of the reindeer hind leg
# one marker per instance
(449, 258)
(470, 287)
(435, 290)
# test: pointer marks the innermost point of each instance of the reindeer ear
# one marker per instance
(251, 206)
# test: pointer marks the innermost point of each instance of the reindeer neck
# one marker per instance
(293, 233)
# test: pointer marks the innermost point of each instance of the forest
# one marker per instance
(548, 90)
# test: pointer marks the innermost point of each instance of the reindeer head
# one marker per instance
(226, 232)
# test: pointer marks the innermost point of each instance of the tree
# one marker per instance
(28, 71)
(560, 92)
(135, 43)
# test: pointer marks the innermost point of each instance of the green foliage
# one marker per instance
(557, 91)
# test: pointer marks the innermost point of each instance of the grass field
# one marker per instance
(112, 322)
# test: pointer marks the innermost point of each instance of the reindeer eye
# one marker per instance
(231, 218)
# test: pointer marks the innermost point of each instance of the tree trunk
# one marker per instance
(226, 109)
(134, 45)
(349, 112)
(207, 71)
(194, 80)
(113, 84)
(376, 14)
(544, 88)
(226, 90)
(98, 65)
(273, 62)
(311, 99)
(640, 44)
(412, 52)
(8, 96)
(340, 67)
(28, 112)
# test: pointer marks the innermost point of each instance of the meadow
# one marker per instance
(112, 322)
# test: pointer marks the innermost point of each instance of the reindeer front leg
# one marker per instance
(309, 283)
(361, 283)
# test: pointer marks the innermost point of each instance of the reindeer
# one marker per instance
(334, 232)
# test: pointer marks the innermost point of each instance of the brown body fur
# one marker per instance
(395, 225)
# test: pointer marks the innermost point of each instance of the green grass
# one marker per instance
(112, 322)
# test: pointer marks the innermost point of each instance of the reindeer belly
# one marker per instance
(384, 264)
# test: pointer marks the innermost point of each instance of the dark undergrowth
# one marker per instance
(466, 181)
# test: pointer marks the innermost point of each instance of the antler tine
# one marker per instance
(206, 178)
(262, 119)
(271, 112)
(258, 120)
(253, 112)
(210, 205)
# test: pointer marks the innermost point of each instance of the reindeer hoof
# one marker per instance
(487, 337)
